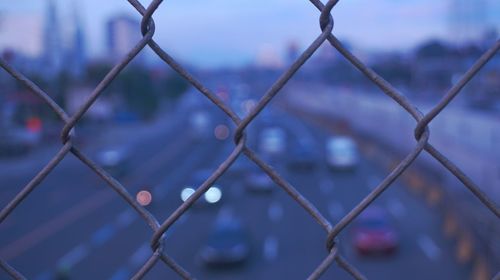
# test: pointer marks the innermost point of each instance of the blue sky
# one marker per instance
(233, 32)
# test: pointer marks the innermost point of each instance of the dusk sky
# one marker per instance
(211, 33)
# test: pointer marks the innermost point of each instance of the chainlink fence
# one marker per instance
(332, 253)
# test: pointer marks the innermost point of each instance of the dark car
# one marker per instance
(259, 182)
(374, 233)
(228, 244)
(114, 160)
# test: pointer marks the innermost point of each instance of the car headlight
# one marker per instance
(186, 193)
(213, 195)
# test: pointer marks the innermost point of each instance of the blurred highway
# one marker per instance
(75, 226)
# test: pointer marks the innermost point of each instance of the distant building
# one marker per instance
(123, 33)
(102, 109)
(76, 53)
(268, 57)
(292, 52)
(52, 57)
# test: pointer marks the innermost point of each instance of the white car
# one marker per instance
(200, 123)
(114, 160)
(272, 141)
(341, 153)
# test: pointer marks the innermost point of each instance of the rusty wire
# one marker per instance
(326, 25)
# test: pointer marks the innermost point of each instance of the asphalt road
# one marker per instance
(74, 222)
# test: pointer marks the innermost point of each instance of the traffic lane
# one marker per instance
(277, 248)
(189, 237)
(262, 214)
(121, 256)
(70, 182)
(62, 192)
(135, 138)
(422, 254)
(59, 243)
(185, 238)
(82, 221)
(422, 242)
(200, 152)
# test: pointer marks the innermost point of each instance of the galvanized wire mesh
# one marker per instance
(421, 134)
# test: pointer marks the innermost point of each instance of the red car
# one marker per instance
(374, 233)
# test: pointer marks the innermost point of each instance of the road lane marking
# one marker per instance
(121, 274)
(396, 208)
(336, 210)
(48, 229)
(102, 235)
(430, 249)
(73, 257)
(80, 210)
(326, 186)
(373, 182)
(275, 211)
(125, 218)
(46, 275)
(140, 255)
(270, 250)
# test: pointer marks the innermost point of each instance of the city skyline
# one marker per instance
(253, 28)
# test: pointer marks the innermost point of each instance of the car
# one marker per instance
(114, 160)
(228, 244)
(258, 182)
(17, 141)
(201, 124)
(211, 197)
(272, 141)
(342, 153)
(374, 233)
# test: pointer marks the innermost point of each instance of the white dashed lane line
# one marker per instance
(125, 218)
(102, 235)
(141, 254)
(326, 186)
(121, 274)
(429, 247)
(396, 208)
(275, 211)
(74, 256)
(336, 210)
(97, 239)
(270, 250)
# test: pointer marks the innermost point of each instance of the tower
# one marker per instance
(52, 55)
(77, 51)
(123, 33)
